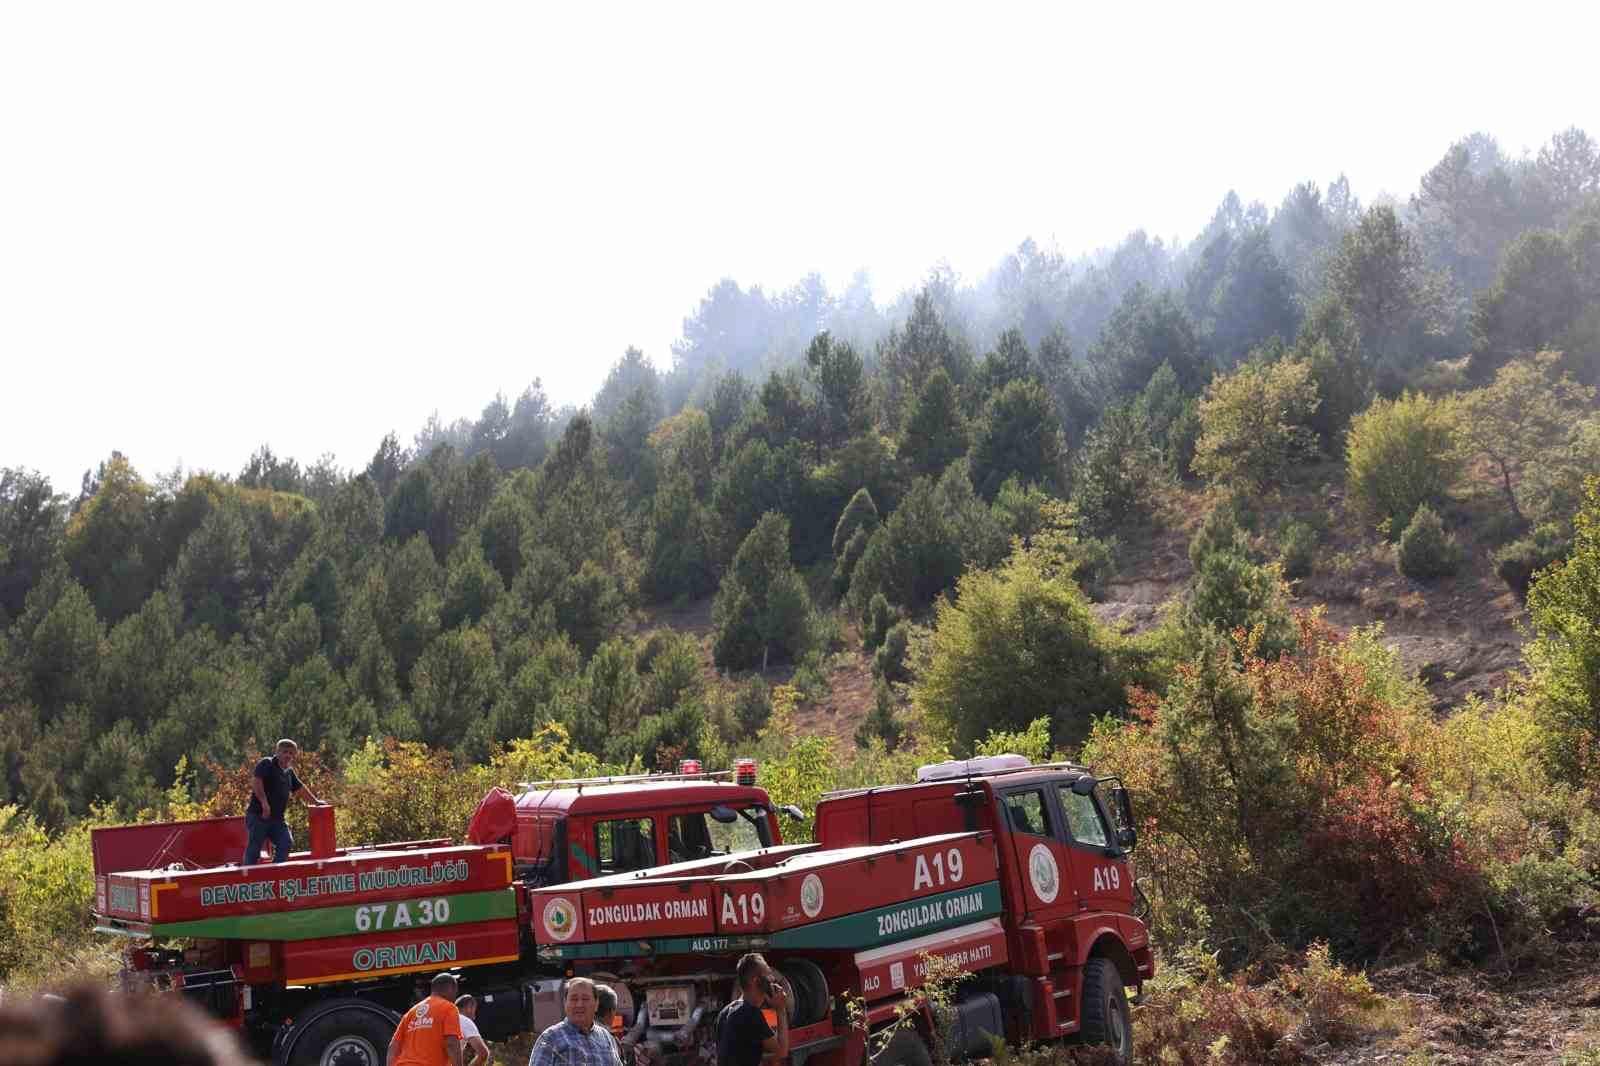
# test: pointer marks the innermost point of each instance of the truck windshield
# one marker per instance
(699, 836)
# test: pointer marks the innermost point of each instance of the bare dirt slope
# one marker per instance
(1544, 1014)
(1460, 634)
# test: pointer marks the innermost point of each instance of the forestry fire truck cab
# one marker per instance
(1016, 874)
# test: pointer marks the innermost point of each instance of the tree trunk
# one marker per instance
(1511, 497)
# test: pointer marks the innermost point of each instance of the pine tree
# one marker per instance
(935, 434)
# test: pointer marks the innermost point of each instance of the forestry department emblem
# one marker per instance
(1044, 873)
(811, 895)
(560, 919)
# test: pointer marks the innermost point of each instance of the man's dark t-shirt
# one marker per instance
(741, 1029)
(278, 784)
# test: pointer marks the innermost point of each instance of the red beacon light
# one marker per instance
(689, 766)
(744, 771)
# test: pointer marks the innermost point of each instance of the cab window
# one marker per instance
(625, 844)
(1083, 818)
(701, 834)
(1027, 812)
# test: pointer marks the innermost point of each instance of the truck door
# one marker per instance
(1100, 871)
(1041, 858)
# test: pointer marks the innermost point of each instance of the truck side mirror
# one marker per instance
(1127, 835)
(793, 812)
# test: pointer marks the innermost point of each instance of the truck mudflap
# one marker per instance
(894, 968)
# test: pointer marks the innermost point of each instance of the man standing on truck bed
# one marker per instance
(271, 784)
(430, 1032)
(744, 1037)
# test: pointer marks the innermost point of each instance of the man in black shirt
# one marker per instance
(271, 785)
(743, 1035)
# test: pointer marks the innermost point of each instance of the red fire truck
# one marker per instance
(1018, 874)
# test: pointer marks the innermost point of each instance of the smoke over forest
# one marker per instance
(1254, 273)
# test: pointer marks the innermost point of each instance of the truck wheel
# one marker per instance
(344, 1038)
(906, 1048)
(808, 990)
(1105, 1014)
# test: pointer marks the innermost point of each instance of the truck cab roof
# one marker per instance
(605, 796)
(991, 770)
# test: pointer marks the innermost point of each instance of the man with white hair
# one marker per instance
(271, 784)
(576, 1040)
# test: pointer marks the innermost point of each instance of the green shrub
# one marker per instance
(752, 706)
(1182, 437)
(1255, 422)
(810, 678)
(828, 631)
(1194, 1013)
(762, 606)
(671, 675)
(859, 514)
(1517, 562)
(1230, 592)
(662, 739)
(1219, 532)
(1305, 768)
(1017, 643)
(1401, 454)
(1532, 891)
(650, 646)
(1297, 548)
(1564, 656)
(924, 545)
(880, 722)
(1116, 471)
(1426, 550)
(1095, 563)
(1033, 742)
(1019, 436)
(46, 890)
(845, 564)
(890, 661)
(880, 617)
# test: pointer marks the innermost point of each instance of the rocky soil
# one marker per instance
(1544, 1013)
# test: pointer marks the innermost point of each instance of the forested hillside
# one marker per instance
(1306, 402)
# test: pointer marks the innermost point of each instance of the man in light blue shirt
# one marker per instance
(576, 1040)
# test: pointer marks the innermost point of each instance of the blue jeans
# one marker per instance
(258, 831)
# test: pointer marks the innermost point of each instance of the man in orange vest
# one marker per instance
(430, 1032)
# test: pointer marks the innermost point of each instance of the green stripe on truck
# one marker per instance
(884, 925)
(403, 915)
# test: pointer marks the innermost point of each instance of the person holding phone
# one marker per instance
(744, 1037)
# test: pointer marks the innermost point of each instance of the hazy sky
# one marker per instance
(222, 224)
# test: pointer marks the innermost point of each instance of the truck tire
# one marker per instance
(1105, 1017)
(808, 989)
(906, 1048)
(351, 1036)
